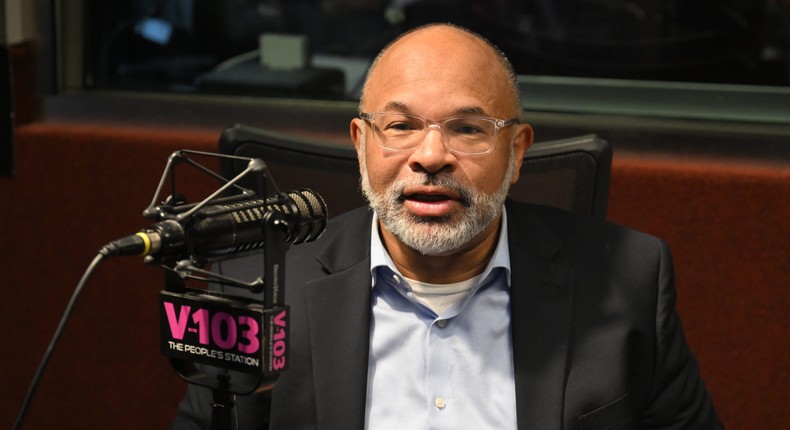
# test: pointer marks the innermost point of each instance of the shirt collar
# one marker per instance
(379, 257)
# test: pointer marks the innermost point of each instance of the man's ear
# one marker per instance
(521, 143)
(356, 129)
(357, 132)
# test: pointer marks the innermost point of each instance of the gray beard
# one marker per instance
(434, 235)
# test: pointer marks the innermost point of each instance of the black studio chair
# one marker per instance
(571, 174)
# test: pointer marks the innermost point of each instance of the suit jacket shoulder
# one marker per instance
(597, 341)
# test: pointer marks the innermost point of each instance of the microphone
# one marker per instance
(219, 230)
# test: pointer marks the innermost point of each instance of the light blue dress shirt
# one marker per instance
(450, 371)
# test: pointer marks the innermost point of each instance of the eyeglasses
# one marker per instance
(470, 135)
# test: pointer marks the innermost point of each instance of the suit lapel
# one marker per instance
(339, 320)
(541, 304)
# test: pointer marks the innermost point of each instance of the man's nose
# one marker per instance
(432, 155)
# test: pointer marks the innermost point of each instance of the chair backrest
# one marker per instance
(571, 174)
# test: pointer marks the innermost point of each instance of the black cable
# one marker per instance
(55, 337)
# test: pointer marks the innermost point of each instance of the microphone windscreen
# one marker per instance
(312, 215)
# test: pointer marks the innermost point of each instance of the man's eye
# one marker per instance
(400, 126)
(467, 129)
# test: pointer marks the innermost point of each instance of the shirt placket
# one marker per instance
(440, 383)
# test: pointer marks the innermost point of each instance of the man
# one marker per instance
(446, 308)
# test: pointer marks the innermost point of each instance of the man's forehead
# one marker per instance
(437, 93)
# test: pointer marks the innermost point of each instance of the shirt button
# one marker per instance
(441, 323)
(396, 278)
(440, 402)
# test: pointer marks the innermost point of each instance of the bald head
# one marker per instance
(443, 52)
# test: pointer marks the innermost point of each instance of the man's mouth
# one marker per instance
(431, 203)
(427, 197)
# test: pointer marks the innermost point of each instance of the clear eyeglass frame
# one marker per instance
(410, 139)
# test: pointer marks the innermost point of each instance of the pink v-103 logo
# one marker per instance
(279, 346)
(221, 329)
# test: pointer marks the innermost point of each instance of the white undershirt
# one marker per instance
(440, 297)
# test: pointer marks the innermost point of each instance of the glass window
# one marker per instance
(321, 48)
(701, 59)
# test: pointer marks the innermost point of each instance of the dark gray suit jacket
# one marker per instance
(597, 343)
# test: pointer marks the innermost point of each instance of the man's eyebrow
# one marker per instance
(470, 110)
(396, 106)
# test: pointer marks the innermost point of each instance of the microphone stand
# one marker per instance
(222, 410)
